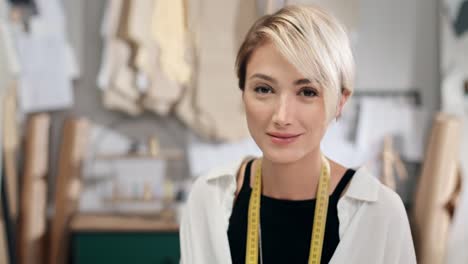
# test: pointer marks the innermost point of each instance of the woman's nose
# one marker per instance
(282, 112)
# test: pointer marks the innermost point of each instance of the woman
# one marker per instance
(294, 205)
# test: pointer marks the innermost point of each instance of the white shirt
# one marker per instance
(373, 226)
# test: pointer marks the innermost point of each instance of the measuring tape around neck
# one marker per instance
(320, 217)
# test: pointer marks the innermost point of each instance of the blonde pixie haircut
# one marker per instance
(313, 41)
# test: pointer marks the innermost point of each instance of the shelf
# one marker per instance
(112, 223)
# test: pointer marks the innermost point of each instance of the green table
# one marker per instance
(100, 239)
(92, 247)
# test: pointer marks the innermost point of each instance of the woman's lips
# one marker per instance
(283, 139)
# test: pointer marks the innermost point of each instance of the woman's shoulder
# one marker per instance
(216, 182)
(377, 214)
(383, 201)
(391, 203)
(390, 221)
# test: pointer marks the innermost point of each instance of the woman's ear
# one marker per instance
(345, 94)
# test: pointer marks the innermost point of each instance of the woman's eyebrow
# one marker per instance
(302, 81)
(313, 82)
(264, 77)
(273, 80)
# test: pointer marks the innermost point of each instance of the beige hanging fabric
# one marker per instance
(143, 62)
(437, 183)
(215, 109)
(121, 94)
(187, 110)
(109, 26)
(162, 91)
(117, 76)
(140, 13)
(139, 18)
(168, 28)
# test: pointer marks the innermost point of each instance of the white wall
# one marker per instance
(395, 42)
(397, 47)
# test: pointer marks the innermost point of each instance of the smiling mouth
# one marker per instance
(283, 138)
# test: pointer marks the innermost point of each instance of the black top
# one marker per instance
(286, 225)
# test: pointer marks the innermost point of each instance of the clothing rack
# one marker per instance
(413, 94)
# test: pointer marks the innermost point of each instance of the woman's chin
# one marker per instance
(282, 156)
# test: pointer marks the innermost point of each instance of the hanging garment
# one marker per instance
(109, 27)
(120, 94)
(168, 27)
(139, 16)
(114, 101)
(216, 109)
(167, 56)
(117, 72)
(160, 91)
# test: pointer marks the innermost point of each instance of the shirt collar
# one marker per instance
(364, 186)
(227, 171)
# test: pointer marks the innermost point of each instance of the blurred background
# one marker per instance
(111, 109)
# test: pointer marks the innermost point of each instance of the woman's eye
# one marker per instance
(308, 92)
(263, 90)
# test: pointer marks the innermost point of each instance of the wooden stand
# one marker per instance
(10, 149)
(437, 184)
(32, 225)
(74, 142)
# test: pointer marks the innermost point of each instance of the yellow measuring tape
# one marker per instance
(320, 217)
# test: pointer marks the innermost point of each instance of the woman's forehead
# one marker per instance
(268, 60)
(268, 64)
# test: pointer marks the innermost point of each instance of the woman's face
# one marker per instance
(285, 111)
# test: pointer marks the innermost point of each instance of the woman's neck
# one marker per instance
(292, 181)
